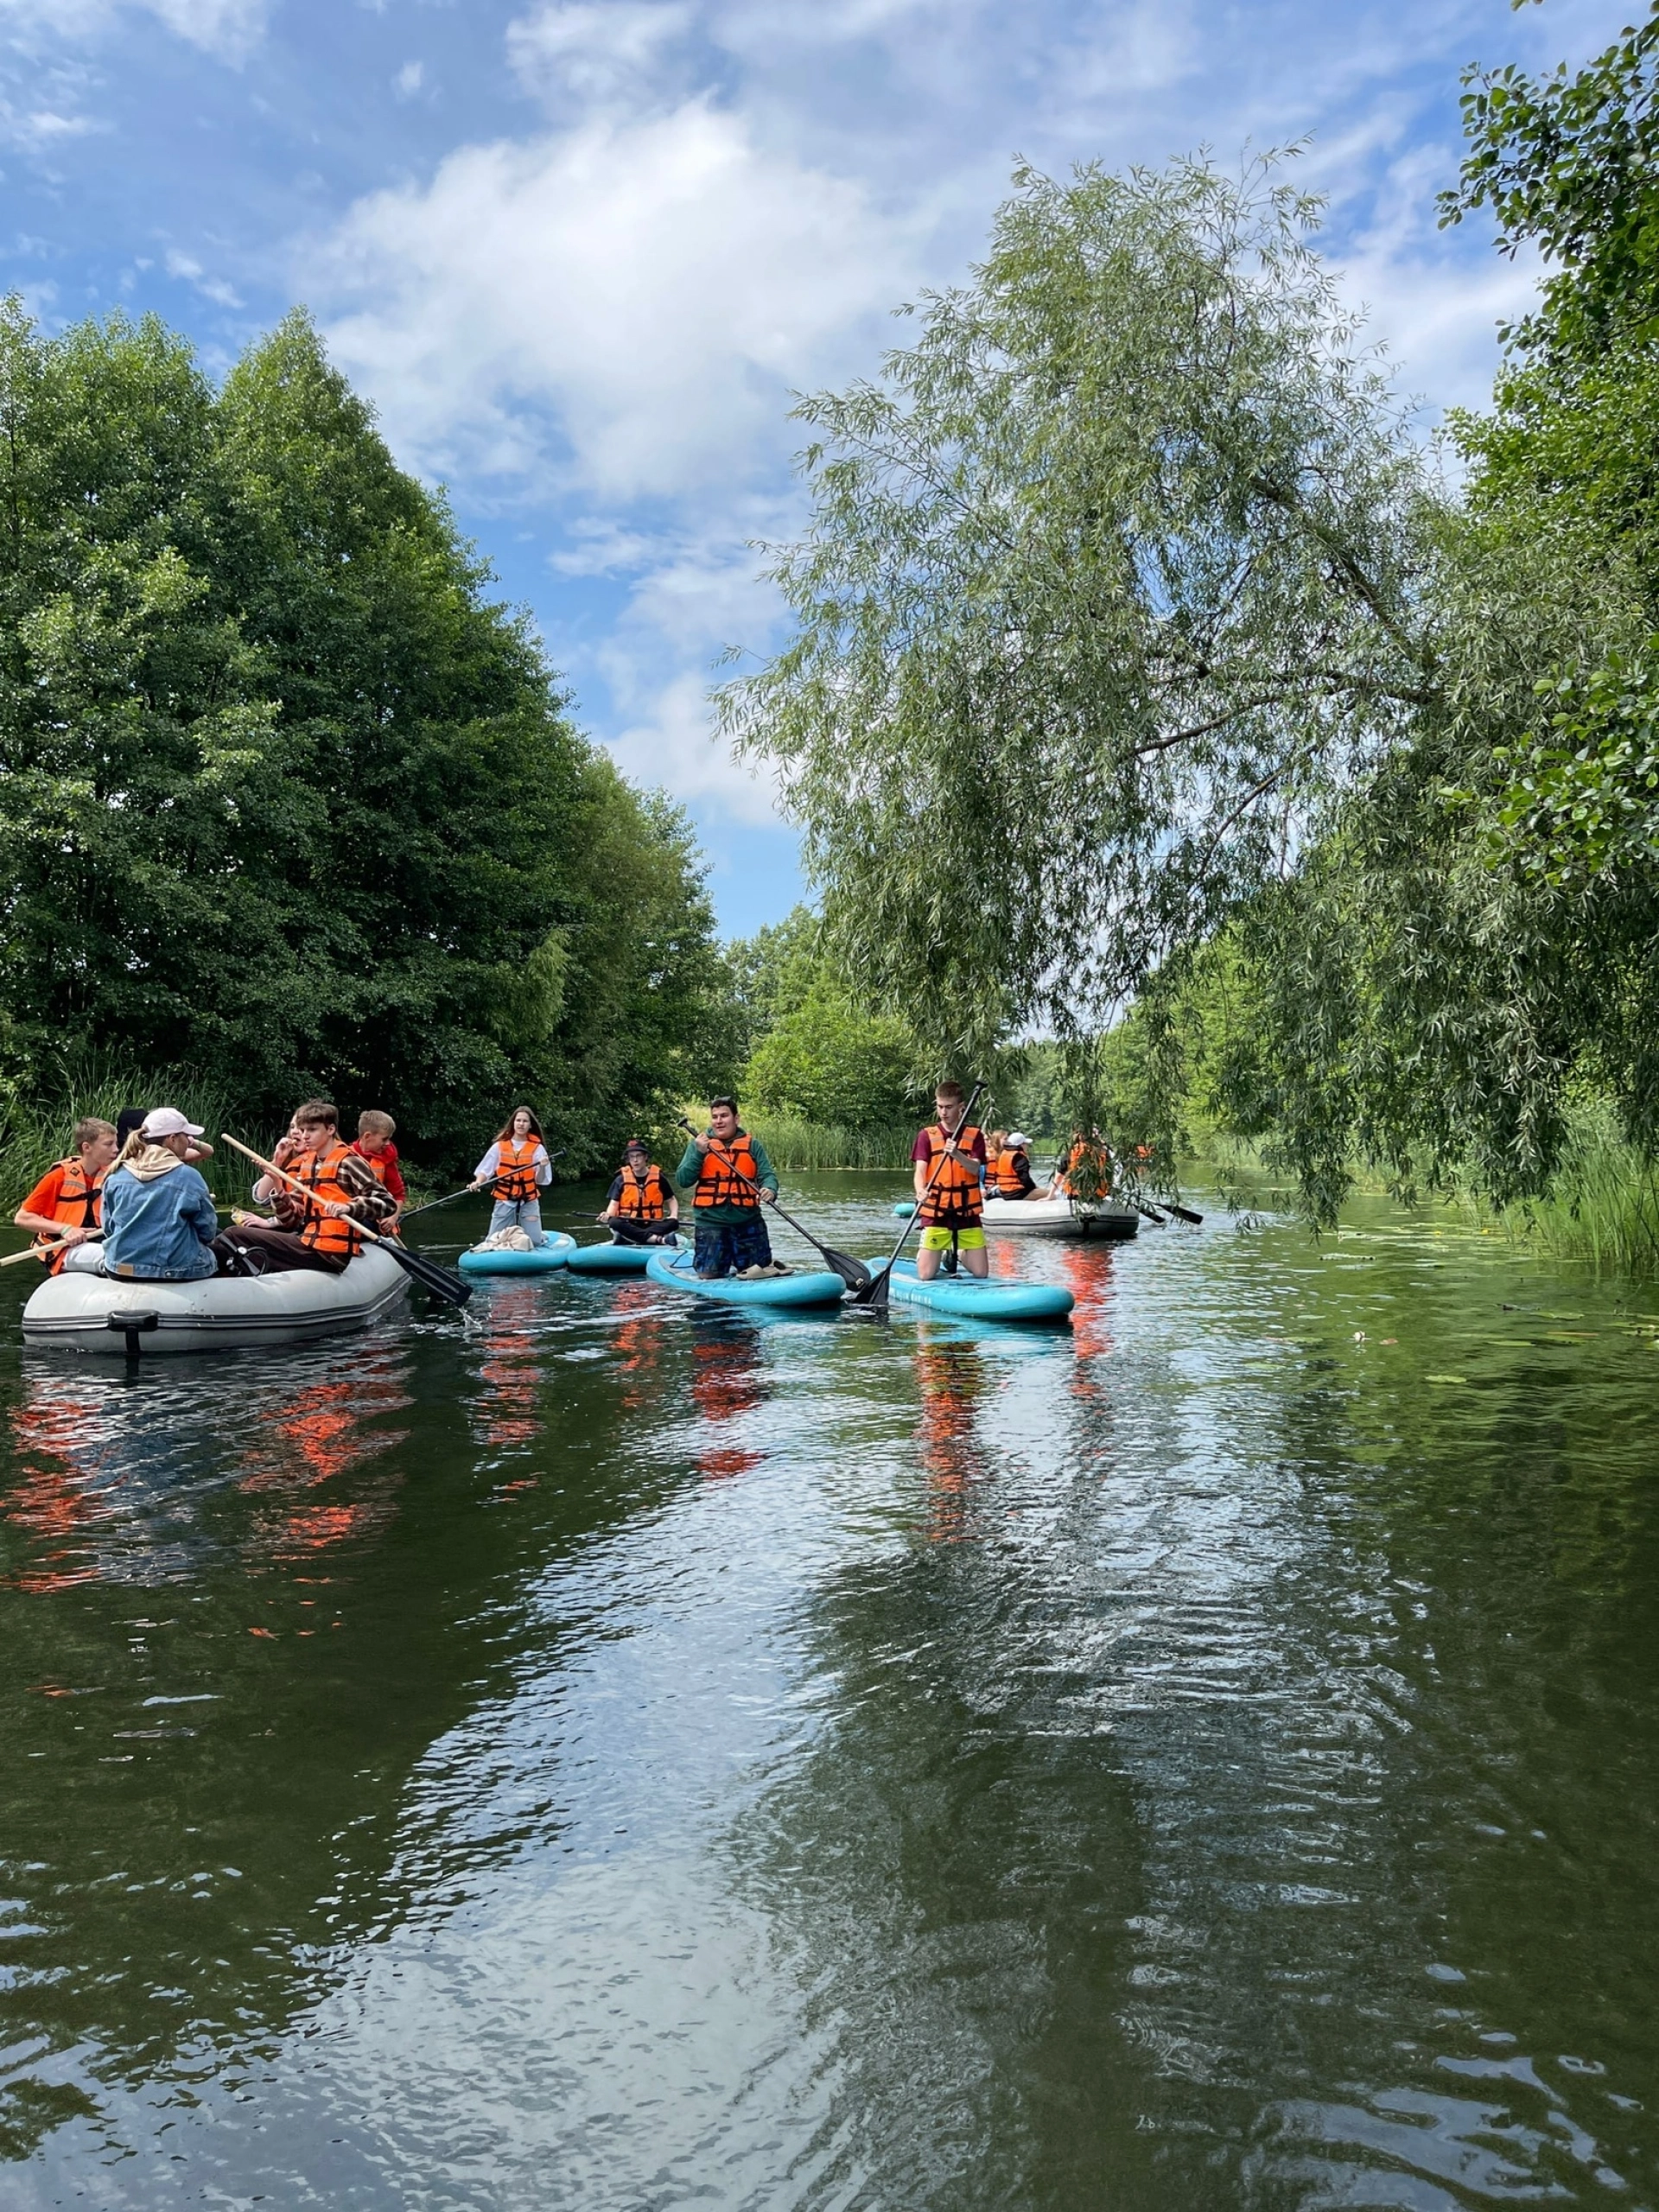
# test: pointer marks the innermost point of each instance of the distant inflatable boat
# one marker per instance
(1048, 1217)
(82, 1311)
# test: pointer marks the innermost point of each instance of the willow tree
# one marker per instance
(1109, 578)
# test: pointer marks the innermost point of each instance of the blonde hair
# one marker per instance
(371, 1122)
(89, 1129)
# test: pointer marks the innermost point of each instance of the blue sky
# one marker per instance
(580, 253)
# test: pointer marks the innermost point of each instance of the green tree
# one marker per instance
(286, 797)
(1112, 572)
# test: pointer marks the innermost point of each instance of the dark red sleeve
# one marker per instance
(920, 1150)
(976, 1150)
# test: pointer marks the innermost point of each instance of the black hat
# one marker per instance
(129, 1119)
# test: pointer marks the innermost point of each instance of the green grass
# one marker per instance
(1604, 1207)
(36, 1130)
(796, 1145)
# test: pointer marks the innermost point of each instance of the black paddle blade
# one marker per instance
(853, 1273)
(871, 1303)
(1184, 1213)
(449, 1288)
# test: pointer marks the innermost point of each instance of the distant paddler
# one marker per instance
(1008, 1175)
(65, 1206)
(950, 1185)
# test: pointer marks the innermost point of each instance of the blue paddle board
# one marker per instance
(613, 1259)
(678, 1274)
(996, 1300)
(540, 1260)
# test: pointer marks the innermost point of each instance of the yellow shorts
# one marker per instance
(938, 1240)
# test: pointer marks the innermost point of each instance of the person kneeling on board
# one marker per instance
(516, 1167)
(641, 1198)
(160, 1225)
(64, 1206)
(1009, 1175)
(338, 1187)
(950, 1182)
(729, 1174)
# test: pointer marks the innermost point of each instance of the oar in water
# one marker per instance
(873, 1301)
(430, 1276)
(853, 1273)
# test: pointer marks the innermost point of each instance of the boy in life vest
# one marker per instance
(517, 1168)
(1010, 1175)
(375, 1132)
(730, 1176)
(67, 1202)
(950, 1182)
(641, 1199)
(338, 1186)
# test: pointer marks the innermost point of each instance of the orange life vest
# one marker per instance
(954, 1199)
(515, 1171)
(716, 1184)
(320, 1173)
(643, 1197)
(79, 1203)
(1098, 1159)
(1004, 1174)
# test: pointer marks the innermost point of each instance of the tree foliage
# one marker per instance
(286, 797)
(1113, 570)
(816, 1052)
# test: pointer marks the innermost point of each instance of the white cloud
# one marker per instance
(673, 744)
(635, 298)
(408, 80)
(596, 52)
(189, 270)
(228, 28)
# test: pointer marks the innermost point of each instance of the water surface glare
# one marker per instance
(605, 1753)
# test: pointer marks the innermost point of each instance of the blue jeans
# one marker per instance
(732, 1246)
(525, 1215)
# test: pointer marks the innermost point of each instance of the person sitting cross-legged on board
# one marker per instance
(641, 1199)
(728, 1175)
(950, 1184)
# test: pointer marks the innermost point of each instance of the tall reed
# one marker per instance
(1603, 1206)
(796, 1145)
(37, 1129)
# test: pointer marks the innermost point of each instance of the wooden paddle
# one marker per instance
(430, 1276)
(40, 1251)
(853, 1273)
(875, 1300)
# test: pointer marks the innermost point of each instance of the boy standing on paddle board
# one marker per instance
(728, 1174)
(950, 1167)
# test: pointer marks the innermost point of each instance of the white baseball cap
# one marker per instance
(1019, 1137)
(168, 1121)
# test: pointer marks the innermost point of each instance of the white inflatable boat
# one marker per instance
(1059, 1218)
(81, 1312)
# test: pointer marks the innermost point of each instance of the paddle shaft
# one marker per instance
(879, 1287)
(839, 1263)
(40, 1251)
(293, 1184)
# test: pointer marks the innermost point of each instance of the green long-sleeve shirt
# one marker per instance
(691, 1167)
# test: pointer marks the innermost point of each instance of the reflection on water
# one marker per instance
(602, 1751)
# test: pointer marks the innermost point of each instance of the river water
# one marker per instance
(603, 1753)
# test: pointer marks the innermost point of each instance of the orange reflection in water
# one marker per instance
(954, 1380)
(1088, 1271)
(315, 1432)
(638, 1342)
(728, 1380)
(506, 1411)
(64, 1493)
